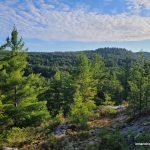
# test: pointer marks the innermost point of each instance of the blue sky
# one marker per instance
(69, 25)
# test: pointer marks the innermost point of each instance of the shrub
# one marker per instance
(17, 136)
(112, 140)
(107, 111)
(108, 100)
(5, 122)
(60, 117)
(81, 113)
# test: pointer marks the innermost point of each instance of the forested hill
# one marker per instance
(67, 100)
(46, 62)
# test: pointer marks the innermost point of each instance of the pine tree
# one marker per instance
(125, 77)
(54, 94)
(19, 92)
(84, 80)
(80, 111)
(147, 85)
(99, 74)
(59, 94)
(68, 91)
(112, 86)
(138, 85)
(85, 91)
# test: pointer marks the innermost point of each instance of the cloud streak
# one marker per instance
(137, 6)
(59, 22)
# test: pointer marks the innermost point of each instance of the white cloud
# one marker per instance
(55, 21)
(137, 5)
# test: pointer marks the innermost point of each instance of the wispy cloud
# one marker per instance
(56, 20)
(136, 6)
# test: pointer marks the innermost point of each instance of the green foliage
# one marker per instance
(112, 140)
(45, 62)
(83, 79)
(116, 59)
(107, 111)
(107, 100)
(143, 138)
(98, 71)
(81, 111)
(18, 137)
(73, 88)
(113, 86)
(59, 119)
(59, 94)
(85, 86)
(5, 121)
(139, 85)
(19, 92)
(51, 143)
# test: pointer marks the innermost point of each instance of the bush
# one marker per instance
(80, 114)
(59, 119)
(18, 137)
(28, 115)
(112, 140)
(107, 111)
(108, 100)
(5, 122)
(50, 143)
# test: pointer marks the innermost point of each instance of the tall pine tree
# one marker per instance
(19, 92)
(138, 82)
(98, 71)
(85, 91)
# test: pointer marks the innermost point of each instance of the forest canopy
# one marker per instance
(44, 89)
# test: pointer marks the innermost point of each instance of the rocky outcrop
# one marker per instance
(60, 130)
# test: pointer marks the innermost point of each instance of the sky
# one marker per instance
(72, 25)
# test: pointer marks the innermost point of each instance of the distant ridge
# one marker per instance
(46, 62)
(105, 52)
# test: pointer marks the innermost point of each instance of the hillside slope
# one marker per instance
(45, 63)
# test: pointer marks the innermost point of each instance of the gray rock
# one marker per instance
(61, 129)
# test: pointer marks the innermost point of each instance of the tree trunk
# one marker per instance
(15, 98)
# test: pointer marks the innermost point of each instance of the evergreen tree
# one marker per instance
(18, 92)
(112, 86)
(125, 77)
(84, 80)
(80, 111)
(85, 91)
(147, 86)
(99, 74)
(138, 85)
(54, 94)
(68, 91)
(59, 94)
